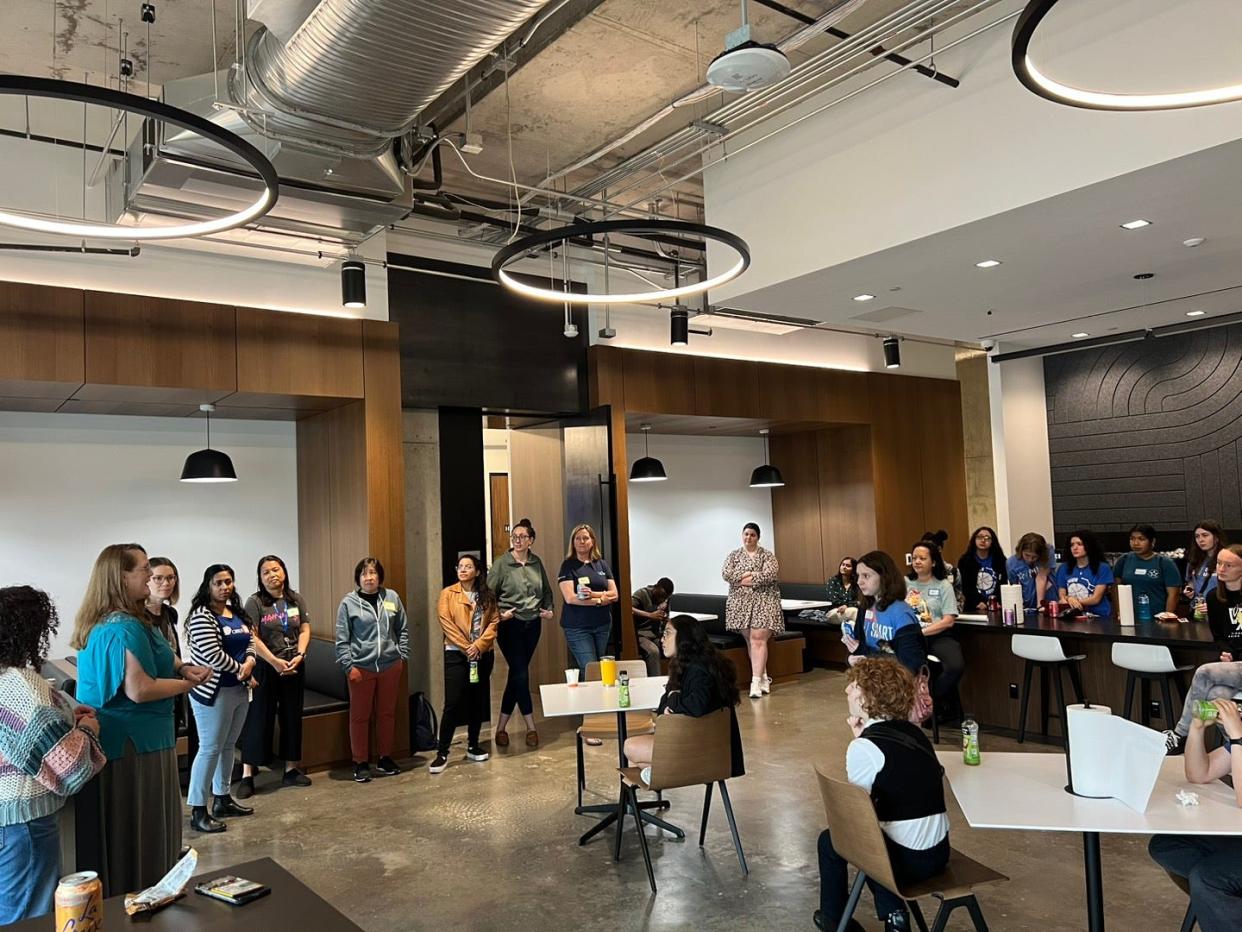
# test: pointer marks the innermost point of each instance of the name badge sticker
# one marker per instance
(293, 612)
(391, 606)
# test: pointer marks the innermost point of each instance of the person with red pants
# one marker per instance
(372, 644)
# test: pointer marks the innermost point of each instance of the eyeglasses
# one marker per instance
(162, 580)
(519, 537)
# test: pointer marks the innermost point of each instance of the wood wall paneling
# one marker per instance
(309, 355)
(44, 346)
(796, 508)
(943, 460)
(607, 377)
(659, 382)
(896, 464)
(847, 494)
(384, 481)
(727, 387)
(622, 569)
(147, 349)
(789, 393)
(843, 396)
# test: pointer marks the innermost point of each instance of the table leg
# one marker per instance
(1095, 881)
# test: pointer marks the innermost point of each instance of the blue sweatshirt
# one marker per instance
(893, 630)
(371, 637)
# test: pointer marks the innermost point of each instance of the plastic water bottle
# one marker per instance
(1206, 711)
(623, 690)
(474, 672)
(970, 741)
(1144, 607)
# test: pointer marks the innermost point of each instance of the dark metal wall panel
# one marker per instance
(1147, 432)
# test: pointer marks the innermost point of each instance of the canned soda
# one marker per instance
(79, 903)
(474, 671)
(1054, 608)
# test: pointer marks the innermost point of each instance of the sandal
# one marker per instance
(532, 739)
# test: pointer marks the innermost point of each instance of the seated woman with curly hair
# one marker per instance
(893, 761)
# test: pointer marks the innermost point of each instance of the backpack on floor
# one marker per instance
(424, 729)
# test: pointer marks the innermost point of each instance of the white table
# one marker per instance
(1026, 792)
(798, 605)
(561, 700)
(697, 616)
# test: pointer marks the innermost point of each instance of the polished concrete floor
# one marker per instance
(494, 845)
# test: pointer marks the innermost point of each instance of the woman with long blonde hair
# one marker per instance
(129, 818)
(589, 591)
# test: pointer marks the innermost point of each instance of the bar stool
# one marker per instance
(1046, 653)
(1144, 663)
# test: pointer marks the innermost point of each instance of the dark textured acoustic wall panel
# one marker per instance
(1147, 432)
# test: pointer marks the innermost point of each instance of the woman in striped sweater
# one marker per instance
(49, 749)
(219, 635)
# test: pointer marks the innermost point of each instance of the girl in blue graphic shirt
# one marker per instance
(982, 569)
(1030, 568)
(1083, 580)
(1201, 560)
(886, 624)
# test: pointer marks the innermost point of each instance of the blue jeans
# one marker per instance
(29, 868)
(588, 644)
(1213, 866)
(219, 727)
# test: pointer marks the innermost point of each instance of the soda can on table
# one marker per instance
(79, 903)
(1054, 609)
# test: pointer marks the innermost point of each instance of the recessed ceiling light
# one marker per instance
(1135, 224)
(1195, 313)
(988, 264)
(863, 297)
(1079, 335)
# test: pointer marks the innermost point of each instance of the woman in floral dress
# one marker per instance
(754, 605)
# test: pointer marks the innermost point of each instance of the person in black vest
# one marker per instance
(895, 763)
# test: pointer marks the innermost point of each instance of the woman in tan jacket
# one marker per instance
(469, 616)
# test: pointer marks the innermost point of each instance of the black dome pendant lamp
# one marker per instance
(208, 465)
(647, 468)
(766, 476)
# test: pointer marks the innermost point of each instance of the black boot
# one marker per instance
(227, 806)
(200, 821)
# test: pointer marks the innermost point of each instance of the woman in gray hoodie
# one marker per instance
(372, 644)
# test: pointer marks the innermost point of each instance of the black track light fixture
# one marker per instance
(647, 468)
(679, 327)
(353, 283)
(766, 476)
(208, 465)
(892, 353)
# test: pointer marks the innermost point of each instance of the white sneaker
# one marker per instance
(756, 690)
(766, 684)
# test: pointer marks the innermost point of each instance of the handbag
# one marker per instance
(923, 708)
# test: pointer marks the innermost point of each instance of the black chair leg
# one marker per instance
(1045, 698)
(707, 806)
(941, 920)
(852, 903)
(621, 804)
(581, 772)
(1026, 698)
(1061, 713)
(642, 837)
(1166, 694)
(1188, 923)
(976, 914)
(1076, 682)
(1145, 699)
(737, 841)
(917, 914)
(1179, 678)
(1129, 700)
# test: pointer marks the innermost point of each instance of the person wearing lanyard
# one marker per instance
(525, 598)
(278, 616)
(468, 617)
(589, 590)
(930, 594)
(219, 637)
(372, 644)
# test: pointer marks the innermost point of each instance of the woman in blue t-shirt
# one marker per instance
(886, 624)
(589, 590)
(982, 569)
(1030, 568)
(1083, 580)
(1148, 573)
(1201, 560)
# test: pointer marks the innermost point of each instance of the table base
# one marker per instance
(614, 811)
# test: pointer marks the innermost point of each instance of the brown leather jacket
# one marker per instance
(456, 611)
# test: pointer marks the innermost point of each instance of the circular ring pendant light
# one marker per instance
(521, 248)
(25, 86)
(1049, 88)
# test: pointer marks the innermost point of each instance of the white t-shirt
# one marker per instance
(863, 760)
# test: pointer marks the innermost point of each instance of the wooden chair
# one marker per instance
(858, 838)
(687, 751)
(604, 726)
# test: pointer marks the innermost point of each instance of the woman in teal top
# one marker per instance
(129, 818)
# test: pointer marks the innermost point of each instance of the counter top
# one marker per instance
(1188, 634)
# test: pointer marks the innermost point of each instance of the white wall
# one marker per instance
(73, 484)
(1020, 459)
(683, 528)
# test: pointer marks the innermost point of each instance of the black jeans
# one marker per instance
(275, 696)
(1213, 866)
(463, 699)
(518, 640)
(952, 665)
(909, 867)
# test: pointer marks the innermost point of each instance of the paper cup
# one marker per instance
(571, 677)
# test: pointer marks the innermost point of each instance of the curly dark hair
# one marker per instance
(694, 647)
(28, 620)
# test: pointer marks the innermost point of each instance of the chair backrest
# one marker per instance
(1143, 658)
(856, 832)
(690, 751)
(635, 668)
(1039, 647)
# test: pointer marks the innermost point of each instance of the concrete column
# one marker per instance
(1021, 464)
(422, 551)
(972, 375)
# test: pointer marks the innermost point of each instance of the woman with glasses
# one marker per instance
(278, 617)
(525, 599)
(589, 590)
(982, 569)
(163, 591)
